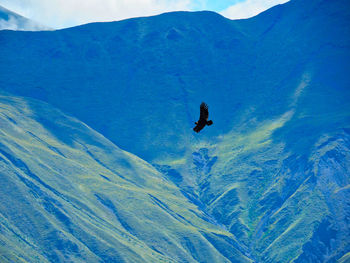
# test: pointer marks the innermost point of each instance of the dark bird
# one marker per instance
(203, 118)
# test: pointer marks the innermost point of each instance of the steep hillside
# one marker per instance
(69, 194)
(284, 205)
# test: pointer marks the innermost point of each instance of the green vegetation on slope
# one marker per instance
(69, 194)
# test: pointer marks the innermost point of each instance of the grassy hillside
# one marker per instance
(284, 205)
(69, 194)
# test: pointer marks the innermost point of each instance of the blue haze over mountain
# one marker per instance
(268, 182)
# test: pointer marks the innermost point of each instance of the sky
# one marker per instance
(66, 13)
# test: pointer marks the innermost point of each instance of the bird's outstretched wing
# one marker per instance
(204, 113)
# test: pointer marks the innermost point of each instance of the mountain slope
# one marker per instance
(154, 72)
(69, 194)
(12, 21)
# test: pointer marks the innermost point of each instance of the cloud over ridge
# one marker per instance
(249, 8)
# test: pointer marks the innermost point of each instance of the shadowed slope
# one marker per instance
(154, 71)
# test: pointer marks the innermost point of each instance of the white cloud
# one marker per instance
(250, 8)
(65, 13)
(11, 24)
(15, 23)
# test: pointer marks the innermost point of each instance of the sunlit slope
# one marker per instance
(69, 194)
(140, 82)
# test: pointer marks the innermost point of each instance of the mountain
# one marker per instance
(273, 170)
(126, 71)
(12, 21)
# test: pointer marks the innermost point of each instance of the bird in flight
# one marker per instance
(203, 118)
